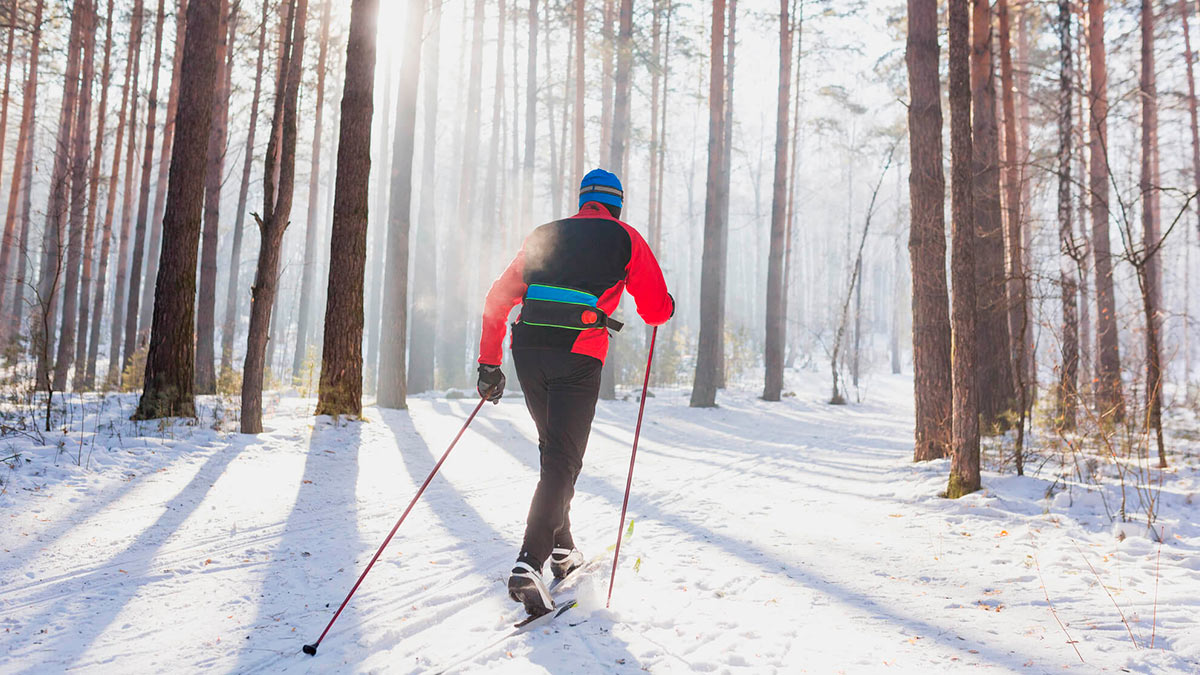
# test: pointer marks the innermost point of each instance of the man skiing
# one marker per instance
(568, 277)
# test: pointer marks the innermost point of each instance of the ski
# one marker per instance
(558, 611)
(526, 625)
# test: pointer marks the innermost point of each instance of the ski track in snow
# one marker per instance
(783, 537)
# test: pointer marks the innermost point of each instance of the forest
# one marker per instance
(943, 248)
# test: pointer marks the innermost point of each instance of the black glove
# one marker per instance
(491, 382)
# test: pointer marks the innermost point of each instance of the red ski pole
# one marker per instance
(637, 432)
(312, 649)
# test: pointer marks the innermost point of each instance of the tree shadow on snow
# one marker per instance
(100, 594)
(649, 504)
(311, 567)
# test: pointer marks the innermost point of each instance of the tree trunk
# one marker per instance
(1023, 91)
(1016, 287)
(964, 464)
(167, 391)
(1110, 402)
(997, 400)
(14, 9)
(155, 244)
(580, 112)
(704, 388)
(214, 174)
(80, 381)
(117, 326)
(607, 40)
(50, 276)
(277, 208)
(8, 247)
(229, 325)
(493, 204)
(309, 272)
(927, 236)
(393, 382)
(454, 366)
(723, 192)
(139, 227)
(81, 139)
(23, 245)
(425, 263)
(93, 346)
(1068, 384)
(776, 328)
(341, 358)
(1150, 268)
(1190, 58)
(622, 86)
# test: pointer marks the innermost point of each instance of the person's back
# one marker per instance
(568, 276)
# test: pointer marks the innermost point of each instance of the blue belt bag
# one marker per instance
(557, 307)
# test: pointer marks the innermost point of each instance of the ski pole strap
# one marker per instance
(559, 307)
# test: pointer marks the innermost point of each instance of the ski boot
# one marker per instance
(564, 561)
(525, 586)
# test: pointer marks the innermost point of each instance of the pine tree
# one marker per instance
(10, 251)
(229, 325)
(139, 228)
(999, 397)
(704, 389)
(273, 222)
(776, 329)
(168, 387)
(214, 175)
(393, 382)
(341, 357)
(309, 273)
(927, 237)
(964, 457)
(422, 350)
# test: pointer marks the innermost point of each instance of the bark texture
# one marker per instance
(214, 174)
(1068, 382)
(168, 136)
(927, 237)
(170, 361)
(704, 389)
(964, 461)
(341, 357)
(997, 400)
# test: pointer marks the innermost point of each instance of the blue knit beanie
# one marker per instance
(600, 186)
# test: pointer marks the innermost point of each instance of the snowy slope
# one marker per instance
(787, 537)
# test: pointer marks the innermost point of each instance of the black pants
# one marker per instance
(560, 391)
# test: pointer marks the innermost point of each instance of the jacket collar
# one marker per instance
(593, 210)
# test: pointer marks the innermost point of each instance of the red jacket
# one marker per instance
(590, 251)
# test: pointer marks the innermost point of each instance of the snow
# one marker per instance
(767, 537)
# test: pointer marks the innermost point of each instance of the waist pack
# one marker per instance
(557, 307)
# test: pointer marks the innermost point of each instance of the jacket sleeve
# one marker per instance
(505, 293)
(644, 281)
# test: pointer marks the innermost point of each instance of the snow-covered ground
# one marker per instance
(785, 537)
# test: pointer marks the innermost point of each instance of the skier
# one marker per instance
(568, 277)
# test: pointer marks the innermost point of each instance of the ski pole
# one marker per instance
(312, 649)
(629, 481)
